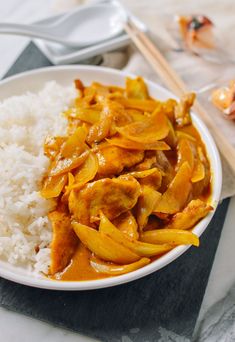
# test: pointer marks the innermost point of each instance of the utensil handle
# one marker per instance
(27, 30)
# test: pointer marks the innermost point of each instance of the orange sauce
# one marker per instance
(80, 269)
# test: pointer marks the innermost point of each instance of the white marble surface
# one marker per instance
(27, 329)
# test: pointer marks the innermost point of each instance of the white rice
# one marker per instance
(25, 121)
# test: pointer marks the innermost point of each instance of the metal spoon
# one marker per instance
(85, 26)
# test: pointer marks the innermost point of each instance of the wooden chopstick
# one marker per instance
(178, 87)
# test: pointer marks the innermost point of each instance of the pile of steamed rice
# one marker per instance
(25, 121)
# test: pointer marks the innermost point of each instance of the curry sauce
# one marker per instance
(130, 179)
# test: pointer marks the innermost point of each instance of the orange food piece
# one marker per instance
(88, 115)
(133, 145)
(53, 186)
(127, 224)
(52, 146)
(124, 174)
(113, 159)
(185, 153)
(170, 236)
(144, 105)
(198, 172)
(138, 247)
(79, 85)
(64, 165)
(87, 171)
(64, 242)
(114, 269)
(144, 173)
(184, 135)
(182, 110)
(118, 113)
(195, 210)
(176, 196)
(153, 180)
(171, 138)
(149, 162)
(82, 175)
(101, 91)
(112, 196)
(135, 114)
(146, 204)
(100, 130)
(103, 246)
(150, 130)
(75, 143)
(136, 88)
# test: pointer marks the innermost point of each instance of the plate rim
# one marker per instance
(32, 280)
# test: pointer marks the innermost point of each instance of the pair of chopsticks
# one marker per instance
(177, 86)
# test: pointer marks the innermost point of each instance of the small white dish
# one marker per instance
(59, 54)
(85, 26)
(33, 81)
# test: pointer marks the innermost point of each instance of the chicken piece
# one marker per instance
(153, 180)
(195, 211)
(149, 162)
(118, 113)
(113, 159)
(163, 164)
(64, 242)
(127, 224)
(112, 196)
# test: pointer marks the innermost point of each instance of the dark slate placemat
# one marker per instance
(170, 298)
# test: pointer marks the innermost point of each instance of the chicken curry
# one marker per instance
(130, 180)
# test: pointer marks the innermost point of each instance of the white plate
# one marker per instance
(34, 81)
(59, 54)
